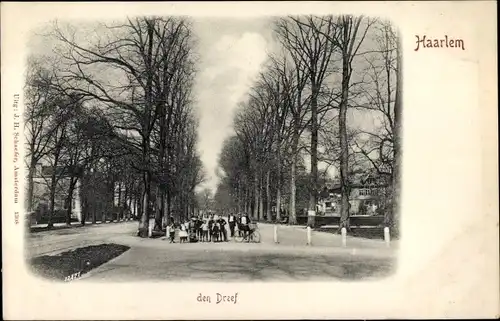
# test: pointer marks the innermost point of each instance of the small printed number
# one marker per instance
(72, 276)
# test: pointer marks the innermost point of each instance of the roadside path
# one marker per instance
(157, 259)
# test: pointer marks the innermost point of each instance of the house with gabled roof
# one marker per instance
(368, 194)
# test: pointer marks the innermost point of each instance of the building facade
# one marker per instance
(42, 180)
(368, 196)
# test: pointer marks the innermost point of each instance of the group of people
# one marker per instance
(208, 229)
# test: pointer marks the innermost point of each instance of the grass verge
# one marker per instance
(376, 233)
(78, 261)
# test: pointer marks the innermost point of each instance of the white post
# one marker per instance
(150, 228)
(387, 236)
(276, 234)
(344, 237)
(78, 206)
(309, 236)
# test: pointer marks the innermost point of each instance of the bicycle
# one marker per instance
(251, 236)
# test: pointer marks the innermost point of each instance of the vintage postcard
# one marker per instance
(240, 160)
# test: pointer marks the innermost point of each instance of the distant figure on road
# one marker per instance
(232, 223)
(223, 231)
(243, 226)
(216, 231)
(199, 230)
(210, 227)
(183, 233)
(193, 230)
(171, 231)
(204, 227)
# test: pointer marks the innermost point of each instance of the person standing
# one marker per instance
(199, 230)
(216, 231)
(183, 233)
(205, 231)
(245, 220)
(210, 227)
(238, 223)
(171, 231)
(223, 230)
(232, 223)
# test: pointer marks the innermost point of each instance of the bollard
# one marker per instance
(387, 236)
(344, 237)
(150, 228)
(276, 234)
(309, 242)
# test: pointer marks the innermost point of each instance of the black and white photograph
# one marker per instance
(275, 163)
(238, 160)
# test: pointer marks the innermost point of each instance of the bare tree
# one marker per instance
(396, 175)
(314, 46)
(350, 34)
(143, 53)
(63, 112)
(40, 98)
(381, 145)
(296, 100)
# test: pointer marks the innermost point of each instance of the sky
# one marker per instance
(231, 53)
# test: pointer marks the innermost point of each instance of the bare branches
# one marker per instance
(138, 75)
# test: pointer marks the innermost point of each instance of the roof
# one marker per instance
(366, 181)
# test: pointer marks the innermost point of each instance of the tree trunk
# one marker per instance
(240, 196)
(111, 201)
(158, 212)
(69, 200)
(169, 207)
(135, 205)
(162, 207)
(140, 204)
(278, 188)
(256, 197)
(31, 184)
(84, 200)
(53, 186)
(268, 197)
(94, 208)
(396, 175)
(261, 202)
(144, 222)
(314, 155)
(246, 202)
(126, 203)
(292, 219)
(119, 203)
(344, 151)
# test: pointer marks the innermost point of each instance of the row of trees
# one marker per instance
(114, 106)
(331, 94)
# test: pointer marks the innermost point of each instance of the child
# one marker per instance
(210, 228)
(215, 231)
(204, 228)
(183, 234)
(171, 231)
